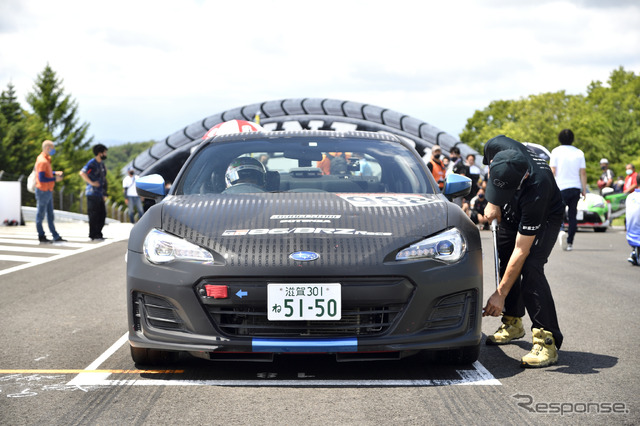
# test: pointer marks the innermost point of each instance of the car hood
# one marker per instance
(264, 229)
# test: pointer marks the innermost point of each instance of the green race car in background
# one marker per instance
(593, 212)
(596, 211)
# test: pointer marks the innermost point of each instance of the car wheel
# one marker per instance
(465, 355)
(152, 357)
(600, 229)
(459, 356)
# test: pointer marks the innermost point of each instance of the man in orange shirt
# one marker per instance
(438, 170)
(46, 179)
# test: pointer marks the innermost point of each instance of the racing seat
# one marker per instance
(272, 181)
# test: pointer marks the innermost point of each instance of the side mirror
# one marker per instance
(456, 186)
(151, 186)
(607, 191)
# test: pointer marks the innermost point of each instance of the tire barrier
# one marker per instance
(167, 156)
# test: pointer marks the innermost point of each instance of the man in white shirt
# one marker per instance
(570, 170)
(131, 197)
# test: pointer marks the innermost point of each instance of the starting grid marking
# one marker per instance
(91, 377)
(24, 383)
(21, 246)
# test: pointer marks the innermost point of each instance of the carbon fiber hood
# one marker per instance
(257, 230)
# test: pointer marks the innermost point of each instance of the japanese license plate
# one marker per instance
(304, 302)
(580, 215)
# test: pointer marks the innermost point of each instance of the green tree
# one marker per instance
(614, 125)
(606, 121)
(118, 157)
(59, 114)
(21, 136)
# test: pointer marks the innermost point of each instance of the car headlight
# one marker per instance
(448, 246)
(160, 247)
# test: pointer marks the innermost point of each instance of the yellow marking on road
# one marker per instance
(91, 371)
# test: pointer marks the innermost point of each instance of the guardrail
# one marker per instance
(66, 201)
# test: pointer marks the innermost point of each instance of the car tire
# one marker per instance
(459, 356)
(152, 357)
(600, 229)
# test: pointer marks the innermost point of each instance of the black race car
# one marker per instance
(299, 242)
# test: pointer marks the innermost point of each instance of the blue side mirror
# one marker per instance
(151, 186)
(456, 186)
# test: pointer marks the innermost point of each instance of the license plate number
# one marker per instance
(304, 302)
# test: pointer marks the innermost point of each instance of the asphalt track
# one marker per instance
(65, 360)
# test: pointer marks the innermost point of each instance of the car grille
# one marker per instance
(369, 308)
(248, 321)
(450, 311)
(159, 313)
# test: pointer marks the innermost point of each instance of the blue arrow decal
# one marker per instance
(241, 294)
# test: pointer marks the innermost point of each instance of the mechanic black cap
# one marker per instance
(506, 173)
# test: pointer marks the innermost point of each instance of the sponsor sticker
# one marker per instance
(305, 218)
(386, 200)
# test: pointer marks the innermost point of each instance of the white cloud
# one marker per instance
(145, 69)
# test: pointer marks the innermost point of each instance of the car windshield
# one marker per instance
(305, 164)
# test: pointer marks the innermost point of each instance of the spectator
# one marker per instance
(46, 179)
(364, 166)
(456, 164)
(607, 176)
(570, 171)
(475, 173)
(476, 209)
(630, 183)
(438, 170)
(131, 198)
(94, 173)
(618, 185)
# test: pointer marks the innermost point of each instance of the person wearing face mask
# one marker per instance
(94, 173)
(46, 179)
(476, 212)
(438, 170)
(131, 197)
(607, 177)
(630, 183)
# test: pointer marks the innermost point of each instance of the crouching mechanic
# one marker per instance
(523, 196)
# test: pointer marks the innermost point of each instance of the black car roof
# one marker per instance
(309, 133)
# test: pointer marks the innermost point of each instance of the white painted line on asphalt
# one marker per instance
(39, 249)
(33, 261)
(12, 258)
(479, 376)
(84, 379)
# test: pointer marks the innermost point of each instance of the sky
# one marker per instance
(144, 69)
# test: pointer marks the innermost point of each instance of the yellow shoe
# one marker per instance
(543, 353)
(510, 329)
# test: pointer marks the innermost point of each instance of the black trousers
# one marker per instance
(570, 197)
(531, 290)
(97, 215)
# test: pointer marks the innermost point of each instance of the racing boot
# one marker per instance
(543, 353)
(510, 329)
